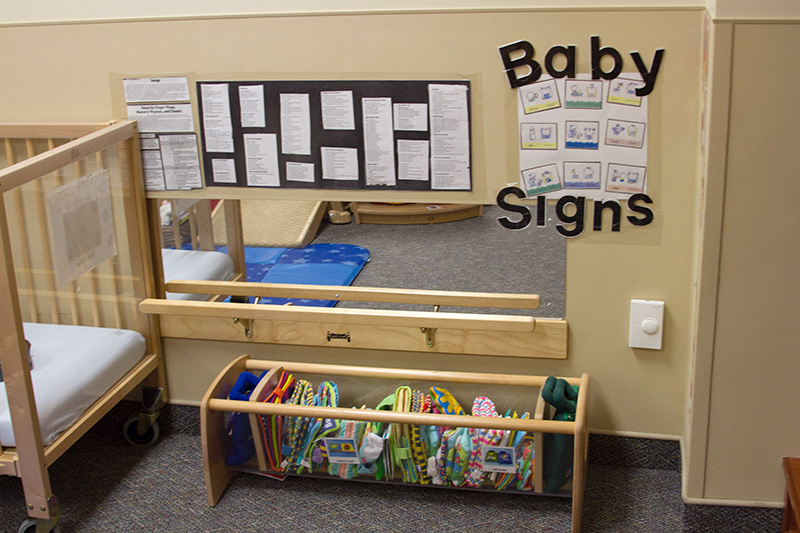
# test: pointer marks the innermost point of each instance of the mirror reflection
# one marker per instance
(409, 246)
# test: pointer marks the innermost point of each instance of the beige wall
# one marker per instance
(744, 405)
(66, 74)
(70, 71)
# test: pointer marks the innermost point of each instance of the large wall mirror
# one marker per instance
(297, 242)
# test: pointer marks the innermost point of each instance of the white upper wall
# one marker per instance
(53, 11)
(33, 11)
(748, 9)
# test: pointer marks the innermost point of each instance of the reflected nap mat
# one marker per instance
(315, 264)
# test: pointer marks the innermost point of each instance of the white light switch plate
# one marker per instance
(646, 324)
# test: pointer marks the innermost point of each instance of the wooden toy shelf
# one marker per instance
(217, 442)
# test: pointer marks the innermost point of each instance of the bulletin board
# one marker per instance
(346, 135)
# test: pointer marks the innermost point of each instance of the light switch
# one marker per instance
(646, 324)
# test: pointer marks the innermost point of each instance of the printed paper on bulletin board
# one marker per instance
(583, 136)
(377, 135)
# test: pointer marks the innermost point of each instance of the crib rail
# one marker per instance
(55, 131)
(189, 223)
(38, 159)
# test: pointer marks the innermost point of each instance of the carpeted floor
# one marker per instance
(104, 484)
(480, 256)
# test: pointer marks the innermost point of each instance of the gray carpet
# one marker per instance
(106, 485)
(480, 255)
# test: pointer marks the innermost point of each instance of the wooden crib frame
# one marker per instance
(200, 235)
(34, 153)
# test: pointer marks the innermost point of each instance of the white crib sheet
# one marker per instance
(195, 265)
(73, 366)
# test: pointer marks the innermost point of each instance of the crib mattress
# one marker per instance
(195, 265)
(73, 366)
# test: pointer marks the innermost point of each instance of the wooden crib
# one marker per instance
(45, 168)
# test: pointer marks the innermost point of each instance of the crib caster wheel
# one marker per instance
(131, 432)
(29, 526)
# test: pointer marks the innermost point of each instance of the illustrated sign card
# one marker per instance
(498, 459)
(342, 451)
(583, 136)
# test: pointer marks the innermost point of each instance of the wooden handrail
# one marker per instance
(93, 296)
(358, 294)
(373, 317)
(44, 130)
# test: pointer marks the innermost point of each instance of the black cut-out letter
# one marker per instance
(648, 77)
(526, 60)
(642, 210)
(569, 53)
(577, 218)
(521, 209)
(616, 214)
(541, 205)
(597, 57)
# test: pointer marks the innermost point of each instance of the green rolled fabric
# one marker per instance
(558, 448)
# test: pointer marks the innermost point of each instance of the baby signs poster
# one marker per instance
(583, 136)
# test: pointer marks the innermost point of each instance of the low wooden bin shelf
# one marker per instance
(216, 408)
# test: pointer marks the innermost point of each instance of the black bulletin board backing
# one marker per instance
(406, 92)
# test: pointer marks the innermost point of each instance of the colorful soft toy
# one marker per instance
(242, 446)
(558, 448)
